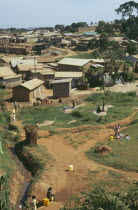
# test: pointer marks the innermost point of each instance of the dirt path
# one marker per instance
(66, 183)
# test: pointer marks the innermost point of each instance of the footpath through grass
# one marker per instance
(125, 152)
(122, 104)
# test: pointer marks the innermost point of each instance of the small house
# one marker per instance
(29, 91)
(90, 33)
(61, 88)
(75, 76)
(73, 64)
(8, 78)
(24, 69)
(45, 59)
(134, 60)
(64, 44)
(45, 74)
(5, 61)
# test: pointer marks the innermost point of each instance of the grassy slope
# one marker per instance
(124, 155)
(122, 108)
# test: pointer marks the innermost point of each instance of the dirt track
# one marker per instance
(66, 183)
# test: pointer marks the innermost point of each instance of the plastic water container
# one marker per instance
(111, 138)
(46, 202)
(70, 167)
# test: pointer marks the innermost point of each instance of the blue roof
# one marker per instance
(91, 33)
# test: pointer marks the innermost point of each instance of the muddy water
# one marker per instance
(27, 182)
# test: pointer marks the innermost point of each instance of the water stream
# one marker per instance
(27, 182)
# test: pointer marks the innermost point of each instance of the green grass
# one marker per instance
(124, 155)
(114, 174)
(122, 104)
(117, 99)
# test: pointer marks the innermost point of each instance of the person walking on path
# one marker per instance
(117, 129)
(73, 103)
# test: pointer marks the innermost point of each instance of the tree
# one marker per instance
(103, 41)
(128, 9)
(93, 43)
(129, 26)
(60, 27)
(132, 49)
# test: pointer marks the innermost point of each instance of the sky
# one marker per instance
(43, 13)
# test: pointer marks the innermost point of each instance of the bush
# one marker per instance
(76, 113)
(13, 127)
(102, 199)
(133, 94)
(4, 118)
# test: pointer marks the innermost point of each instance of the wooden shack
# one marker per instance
(29, 91)
(74, 64)
(8, 78)
(61, 88)
(75, 76)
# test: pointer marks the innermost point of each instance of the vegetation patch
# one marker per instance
(124, 155)
(102, 199)
(83, 115)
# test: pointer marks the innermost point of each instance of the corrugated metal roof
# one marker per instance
(28, 62)
(68, 74)
(6, 71)
(43, 59)
(16, 61)
(64, 41)
(98, 60)
(135, 56)
(25, 67)
(61, 81)
(52, 64)
(14, 76)
(6, 59)
(97, 65)
(46, 71)
(74, 61)
(90, 33)
(32, 84)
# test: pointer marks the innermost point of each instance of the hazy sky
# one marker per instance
(36, 13)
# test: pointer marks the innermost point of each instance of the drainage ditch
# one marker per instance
(27, 182)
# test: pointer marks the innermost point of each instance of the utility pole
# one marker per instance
(35, 67)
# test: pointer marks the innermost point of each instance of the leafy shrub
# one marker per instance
(4, 118)
(134, 122)
(76, 113)
(102, 199)
(13, 127)
(133, 94)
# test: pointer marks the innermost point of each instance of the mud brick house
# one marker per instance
(45, 74)
(61, 88)
(29, 91)
(64, 43)
(5, 62)
(73, 64)
(75, 76)
(8, 78)
(24, 69)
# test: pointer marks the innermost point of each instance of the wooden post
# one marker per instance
(31, 134)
